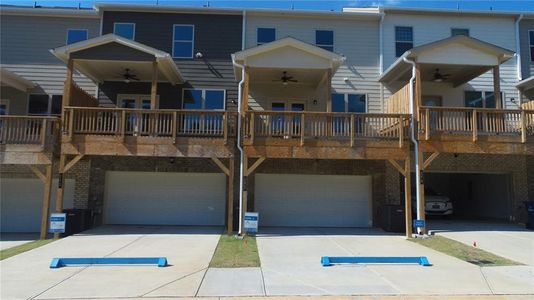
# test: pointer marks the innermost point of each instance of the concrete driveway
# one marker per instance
(9, 240)
(507, 240)
(188, 250)
(290, 266)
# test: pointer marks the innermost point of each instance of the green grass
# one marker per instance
(23, 248)
(464, 252)
(235, 253)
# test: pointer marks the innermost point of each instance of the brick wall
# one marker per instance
(530, 176)
(514, 165)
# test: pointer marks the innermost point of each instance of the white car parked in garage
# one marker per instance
(436, 204)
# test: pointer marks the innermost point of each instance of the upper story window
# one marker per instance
(459, 31)
(265, 35)
(204, 99)
(42, 104)
(325, 39)
(403, 39)
(355, 103)
(76, 35)
(126, 30)
(183, 40)
(481, 99)
(531, 43)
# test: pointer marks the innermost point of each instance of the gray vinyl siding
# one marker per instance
(356, 39)
(26, 42)
(527, 63)
(18, 100)
(216, 37)
(497, 30)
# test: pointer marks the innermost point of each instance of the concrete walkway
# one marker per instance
(10, 240)
(507, 240)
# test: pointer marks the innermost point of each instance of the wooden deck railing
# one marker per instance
(28, 130)
(123, 122)
(399, 102)
(323, 125)
(475, 122)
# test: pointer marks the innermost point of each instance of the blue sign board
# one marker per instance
(251, 222)
(57, 223)
(419, 223)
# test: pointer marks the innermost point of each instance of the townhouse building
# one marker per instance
(193, 116)
(31, 90)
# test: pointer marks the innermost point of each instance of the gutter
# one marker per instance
(415, 142)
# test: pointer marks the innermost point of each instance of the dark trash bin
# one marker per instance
(77, 221)
(529, 205)
(391, 218)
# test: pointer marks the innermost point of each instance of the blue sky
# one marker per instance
(512, 5)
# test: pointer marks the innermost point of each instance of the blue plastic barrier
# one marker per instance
(59, 262)
(330, 260)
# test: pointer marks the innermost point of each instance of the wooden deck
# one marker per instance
(323, 135)
(476, 130)
(144, 132)
(28, 140)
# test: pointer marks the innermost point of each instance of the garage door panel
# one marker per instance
(313, 200)
(21, 201)
(165, 198)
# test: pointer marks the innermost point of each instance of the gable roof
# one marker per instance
(14, 80)
(165, 62)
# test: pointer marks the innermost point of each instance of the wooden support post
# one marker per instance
(61, 187)
(67, 88)
(174, 126)
(408, 196)
(123, 124)
(418, 92)
(427, 124)
(421, 183)
(245, 195)
(497, 87)
(154, 86)
(474, 125)
(71, 123)
(352, 130)
(302, 127)
(46, 201)
(329, 102)
(401, 132)
(230, 204)
(245, 92)
(43, 132)
(252, 128)
(225, 127)
(523, 127)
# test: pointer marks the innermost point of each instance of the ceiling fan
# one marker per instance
(438, 77)
(129, 76)
(286, 79)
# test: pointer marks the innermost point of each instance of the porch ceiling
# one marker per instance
(106, 57)
(272, 76)
(463, 58)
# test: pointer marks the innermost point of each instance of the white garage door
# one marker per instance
(156, 198)
(21, 201)
(313, 200)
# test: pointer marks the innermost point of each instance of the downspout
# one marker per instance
(239, 126)
(381, 58)
(415, 142)
(518, 57)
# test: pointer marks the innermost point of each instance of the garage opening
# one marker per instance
(475, 196)
(21, 201)
(313, 200)
(161, 198)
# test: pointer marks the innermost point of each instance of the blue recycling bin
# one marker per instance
(529, 205)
